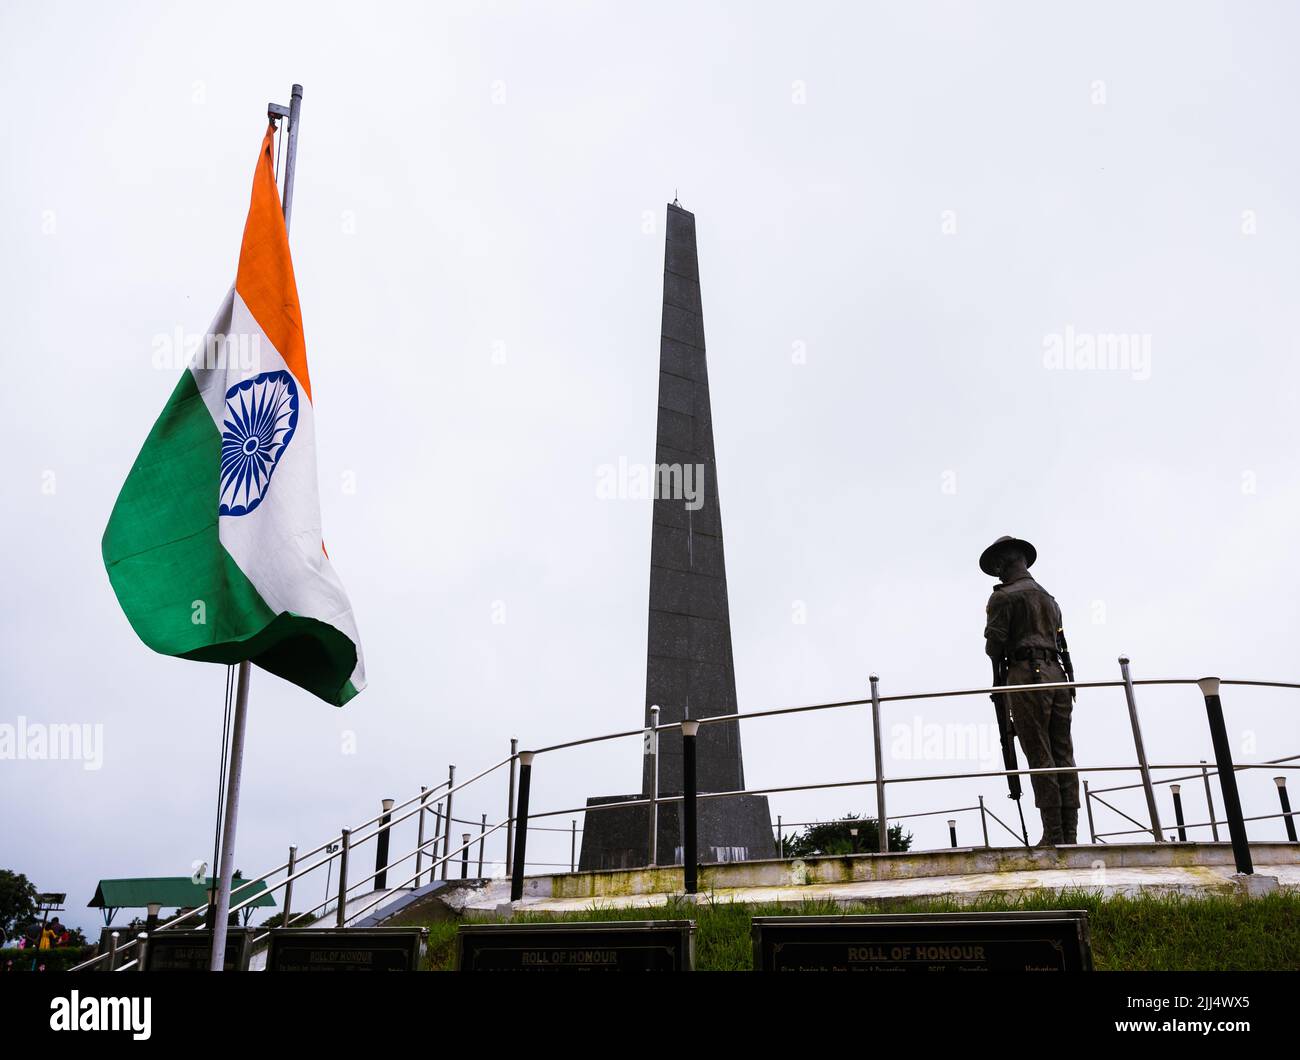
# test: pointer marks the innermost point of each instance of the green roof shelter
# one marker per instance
(171, 892)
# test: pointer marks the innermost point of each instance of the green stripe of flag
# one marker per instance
(180, 589)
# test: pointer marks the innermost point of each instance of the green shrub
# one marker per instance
(56, 959)
(836, 837)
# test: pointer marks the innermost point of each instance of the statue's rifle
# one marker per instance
(1063, 650)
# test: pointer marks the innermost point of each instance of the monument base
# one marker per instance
(731, 828)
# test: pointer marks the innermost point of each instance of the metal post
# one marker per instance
(573, 845)
(1209, 687)
(1176, 789)
(482, 838)
(1156, 832)
(1286, 807)
(437, 836)
(780, 838)
(419, 837)
(952, 832)
(652, 749)
(1087, 801)
(340, 916)
(221, 915)
(521, 833)
(446, 832)
(142, 944)
(112, 951)
(464, 855)
(690, 850)
(288, 887)
(984, 822)
(882, 822)
(510, 806)
(1209, 801)
(381, 847)
(291, 157)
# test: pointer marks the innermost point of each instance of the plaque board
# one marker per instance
(1020, 941)
(346, 949)
(601, 946)
(191, 951)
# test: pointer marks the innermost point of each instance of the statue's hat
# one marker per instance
(1001, 544)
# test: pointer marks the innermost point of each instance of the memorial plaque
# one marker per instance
(190, 951)
(605, 946)
(346, 949)
(1021, 941)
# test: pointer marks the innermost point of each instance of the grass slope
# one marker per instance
(1144, 933)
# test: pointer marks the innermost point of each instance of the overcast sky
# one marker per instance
(902, 212)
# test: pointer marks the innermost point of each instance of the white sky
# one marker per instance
(474, 175)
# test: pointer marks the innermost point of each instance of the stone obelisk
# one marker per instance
(689, 668)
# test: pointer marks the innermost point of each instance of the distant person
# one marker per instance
(1023, 627)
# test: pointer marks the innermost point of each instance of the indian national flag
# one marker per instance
(214, 546)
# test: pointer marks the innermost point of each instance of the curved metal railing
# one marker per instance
(517, 823)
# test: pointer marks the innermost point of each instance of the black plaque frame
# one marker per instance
(402, 949)
(1054, 940)
(191, 951)
(652, 945)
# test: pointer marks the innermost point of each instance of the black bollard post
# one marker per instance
(1176, 789)
(381, 847)
(690, 853)
(1227, 775)
(340, 914)
(521, 825)
(446, 835)
(1286, 807)
(952, 832)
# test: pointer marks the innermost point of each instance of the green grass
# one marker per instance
(1144, 933)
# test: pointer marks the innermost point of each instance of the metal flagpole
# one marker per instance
(221, 914)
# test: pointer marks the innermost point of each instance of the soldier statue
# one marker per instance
(1023, 629)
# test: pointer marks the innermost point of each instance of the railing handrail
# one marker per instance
(897, 698)
(1203, 824)
(1133, 768)
(419, 803)
(1209, 771)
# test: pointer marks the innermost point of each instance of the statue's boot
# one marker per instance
(1070, 824)
(1052, 836)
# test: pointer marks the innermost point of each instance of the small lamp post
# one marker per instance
(1286, 807)
(1176, 790)
(331, 848)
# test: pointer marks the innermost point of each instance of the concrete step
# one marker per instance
(885, 879)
